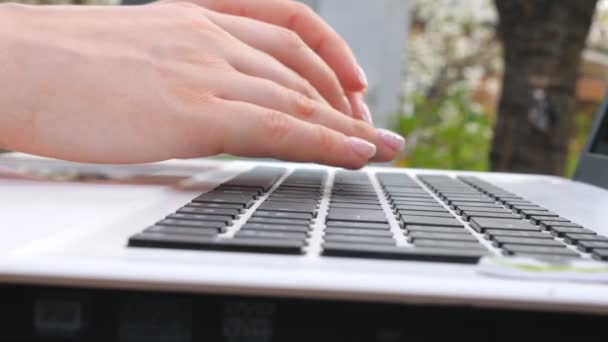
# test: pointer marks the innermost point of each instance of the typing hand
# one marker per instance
(149, 83)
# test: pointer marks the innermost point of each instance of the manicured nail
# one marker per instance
(393, 140)
(346, 108)
(363, 148)
(367, 115)
(362, 76)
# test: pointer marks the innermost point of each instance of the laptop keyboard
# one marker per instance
(356, 214)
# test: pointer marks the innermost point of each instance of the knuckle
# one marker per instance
(326, 138)
(303, 106)
(302, 9)
(290, 39)
(276, 125)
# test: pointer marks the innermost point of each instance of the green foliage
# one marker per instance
(448, 132)
(583, 123)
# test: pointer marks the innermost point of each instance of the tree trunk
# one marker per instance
(542, 45)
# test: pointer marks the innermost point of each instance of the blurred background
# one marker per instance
(502, 85)
(505, 85)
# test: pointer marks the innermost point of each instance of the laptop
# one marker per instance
(242, 250)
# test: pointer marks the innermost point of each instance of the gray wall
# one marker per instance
(377, 31)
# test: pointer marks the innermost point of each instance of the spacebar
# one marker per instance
(401, 253)
(179, 241)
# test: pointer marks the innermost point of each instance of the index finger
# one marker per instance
(313, 30)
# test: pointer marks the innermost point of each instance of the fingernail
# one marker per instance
(367, 115)
(346, 108)
(362, 76)
(363, 148)
(393, 140)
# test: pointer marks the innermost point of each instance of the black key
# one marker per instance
(359, 239)
(400, 253)
(519, 208)
(260, 177)
(237, 207)
(416, 201)
(231, 213)
(561, 251)
(264, 234)
(201, 217)
(468, 215)
(561, 231)
(461, 201)
(548, 225)
(358, 232)
(244, 200)
(425, 213)
(437, 229)
(192, 224)
(183, 230)
(312, 202)
(194, 217)
(290, 207)
(495, 209)
(283, 214)
(357, 215)
(600, 254)
(537, 213)
(256, 245)
(354, 200)
(492, 233)
(480, 224)
(430, 221)
(276, 227)
(237, 191)
(435, 208)
(268, 220)
(362, 225)
(355, 205)
(502, 240)
(455, 204)
(574, 238)
(466, 236)
(539, 219)
(588, 246)
(441, 244)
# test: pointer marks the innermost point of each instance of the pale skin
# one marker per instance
(182, 80)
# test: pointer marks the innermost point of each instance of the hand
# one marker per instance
(295, 35)
(149, 83)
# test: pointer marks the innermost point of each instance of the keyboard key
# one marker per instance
(232, 213)
(430, 221)
(540, 219)
(183, 230)
(600, 254)
(414, 235)
(237, 207)
(289, 207)
(468, 215)
(271, 235)
(509, 240)
(268, 220)
(192, 224)
(574, 238)
(283, 214)
(357, 215)
(400, 253)
(355, 205)
(548, 225)
(194, 217)
(560, 251)
(588, 246)
(362, 225)
(492, 209)
(425, 213)
(492, 233)
(434, 208)
(480, 224)
(359, 239)
(561, 231)
(441, 244)
(536, 213)
(437, 229)
(358, 232)
(276, 227)
(244, 200)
